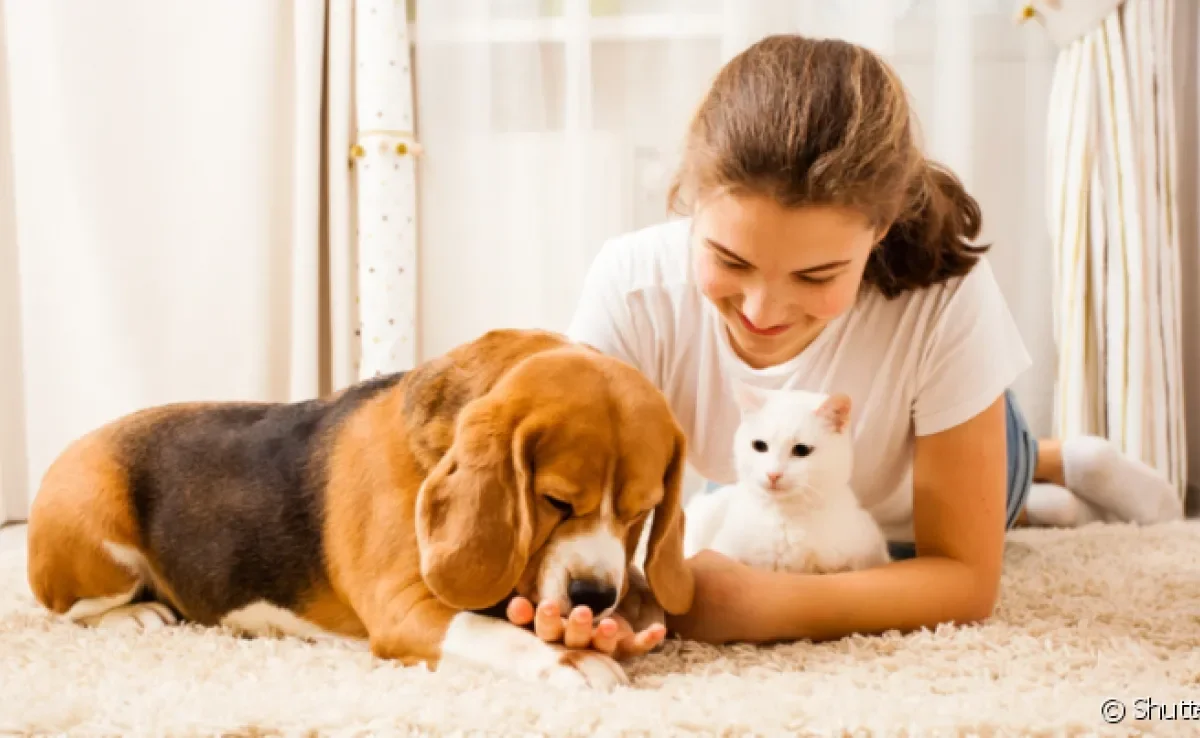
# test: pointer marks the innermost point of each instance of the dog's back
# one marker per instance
(192, 496)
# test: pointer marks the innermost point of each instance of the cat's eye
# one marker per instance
(801, 450)
(563, 507)
(760, 446)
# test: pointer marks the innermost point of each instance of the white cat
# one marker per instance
(792, 508)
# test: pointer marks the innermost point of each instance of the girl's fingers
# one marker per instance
(638, 644)
(577, 631)
(547, 624)
(579, 628)
(520, 611)
(650, 637)
(607, 636)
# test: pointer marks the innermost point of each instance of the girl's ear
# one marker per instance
(749, 398)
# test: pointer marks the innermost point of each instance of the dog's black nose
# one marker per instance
(598, 596)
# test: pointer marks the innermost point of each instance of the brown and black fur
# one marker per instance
(315, 506)
(226, 499)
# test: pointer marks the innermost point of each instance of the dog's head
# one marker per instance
(547, 485)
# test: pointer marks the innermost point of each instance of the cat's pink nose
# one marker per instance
(774, 477)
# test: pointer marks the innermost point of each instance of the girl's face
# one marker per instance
(777, 275)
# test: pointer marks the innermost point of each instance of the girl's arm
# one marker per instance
(959, 487)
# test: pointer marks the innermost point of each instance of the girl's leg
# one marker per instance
(1049, 466)
(1050, 503)
(1115, 487)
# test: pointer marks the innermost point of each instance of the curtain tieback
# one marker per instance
(401, 143)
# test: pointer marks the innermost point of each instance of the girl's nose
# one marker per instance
(762, 311)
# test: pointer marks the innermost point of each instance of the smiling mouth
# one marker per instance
(755, 330)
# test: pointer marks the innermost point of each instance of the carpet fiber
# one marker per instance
(1106, 612)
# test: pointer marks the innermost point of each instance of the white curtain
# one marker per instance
(164, 192)
(549, 126)
(1113, 189)
(179, 209)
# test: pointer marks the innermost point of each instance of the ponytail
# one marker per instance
(932, 239)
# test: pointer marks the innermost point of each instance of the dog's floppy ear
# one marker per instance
(669, 577)
(473, 510)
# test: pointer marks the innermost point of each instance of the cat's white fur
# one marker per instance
(806, 520)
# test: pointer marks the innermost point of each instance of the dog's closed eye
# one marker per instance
(563, 507)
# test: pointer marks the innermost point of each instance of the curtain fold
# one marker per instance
(1111, 157)
(13, 454)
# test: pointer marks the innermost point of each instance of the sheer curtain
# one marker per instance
(550, 125)
(160, 214)
(196, 209)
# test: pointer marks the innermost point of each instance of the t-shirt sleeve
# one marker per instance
(973, 352)
(604, 318)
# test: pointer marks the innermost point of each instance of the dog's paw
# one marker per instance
(138, 618)
(579, 669)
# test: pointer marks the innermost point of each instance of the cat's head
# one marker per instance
(793, 440)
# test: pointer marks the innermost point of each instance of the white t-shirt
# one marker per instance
(917, 364)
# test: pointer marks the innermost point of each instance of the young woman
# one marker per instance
(822, 250)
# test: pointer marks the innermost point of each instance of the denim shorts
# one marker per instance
(1022, 457)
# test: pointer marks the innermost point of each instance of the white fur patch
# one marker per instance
(128, 557)
(477, 640)
(265, 619)
(143, 616)
(597, 554)
(92, 611)
(84, 610)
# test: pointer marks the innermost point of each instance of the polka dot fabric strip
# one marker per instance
(386, 190)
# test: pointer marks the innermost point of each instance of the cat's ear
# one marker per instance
(836, 410)
(749, 398)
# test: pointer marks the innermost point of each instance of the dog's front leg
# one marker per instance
(429, 631)
(638, 606)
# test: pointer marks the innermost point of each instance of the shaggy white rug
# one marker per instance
(1103, 613)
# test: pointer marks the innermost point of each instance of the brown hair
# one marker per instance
(825, 122)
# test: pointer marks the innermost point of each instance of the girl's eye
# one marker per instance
(760, 446)
(731, 264)
(563, 507)
(801, 450)
(815, 280)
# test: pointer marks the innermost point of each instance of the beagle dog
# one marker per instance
(403, 511)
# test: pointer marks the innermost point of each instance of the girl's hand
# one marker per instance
(616, 635)
(613, 635)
